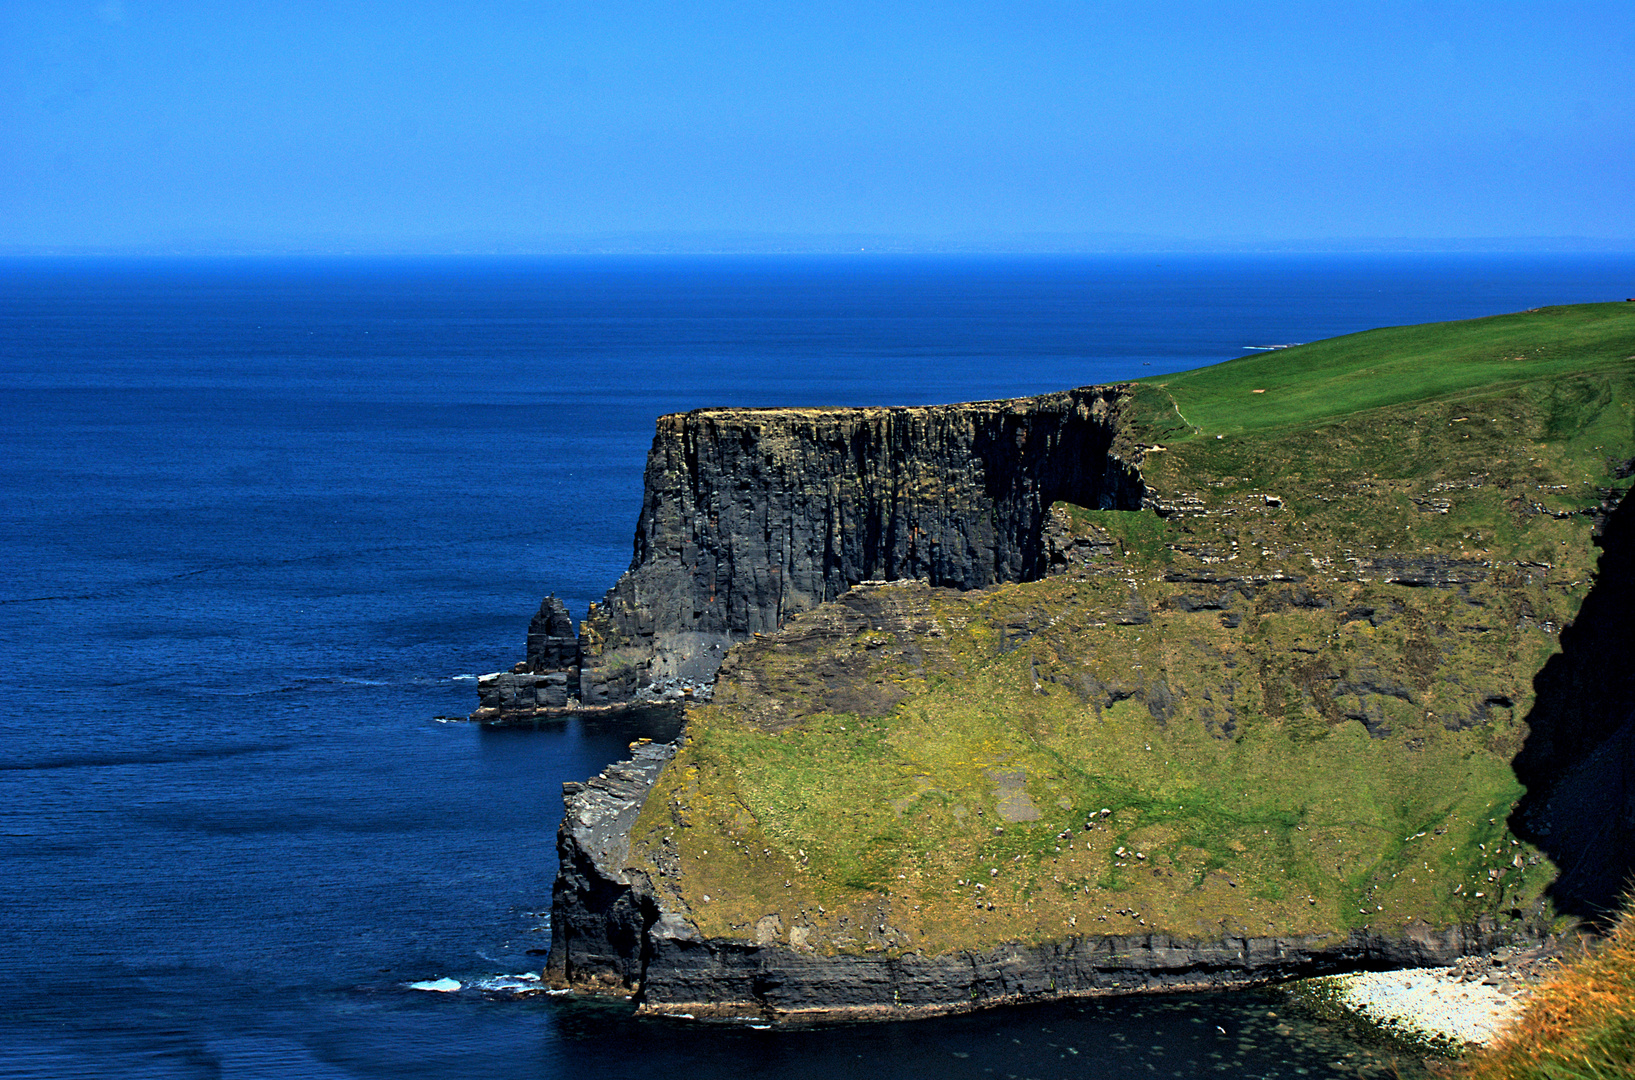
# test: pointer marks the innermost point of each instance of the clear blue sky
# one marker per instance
(237, 124)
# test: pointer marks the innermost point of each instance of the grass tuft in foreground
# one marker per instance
(1579, 1026)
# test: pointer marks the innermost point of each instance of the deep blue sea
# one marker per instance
(262, 521)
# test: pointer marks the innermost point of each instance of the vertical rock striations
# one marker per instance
(553, 645)
(752, 515)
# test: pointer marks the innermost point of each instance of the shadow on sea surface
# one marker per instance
(1578, 762)
(1248, 1034)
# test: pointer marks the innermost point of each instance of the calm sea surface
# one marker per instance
(260, 522)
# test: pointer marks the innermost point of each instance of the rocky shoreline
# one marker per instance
(1441, 1009)
(612, 931)
(1434, 1007)
(526, 716)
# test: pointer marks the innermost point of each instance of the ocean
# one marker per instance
(263, 521)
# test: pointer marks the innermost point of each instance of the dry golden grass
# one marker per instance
(1579, 1026)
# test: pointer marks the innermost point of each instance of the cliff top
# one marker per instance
(1308, 383)
(854, 413)
(1326, 380)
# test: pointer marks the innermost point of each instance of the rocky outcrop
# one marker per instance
(611, 930)
(553, 644)
(879, 811)
(600, 914)
(520, 693)
(752, 515)
(545, 682)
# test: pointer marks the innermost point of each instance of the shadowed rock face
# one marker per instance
(600, 914)
(1579, 759)
(751, 516)
(685, 973)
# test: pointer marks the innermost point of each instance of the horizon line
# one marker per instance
(724, 242)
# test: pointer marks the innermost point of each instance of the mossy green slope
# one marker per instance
(1288, 707)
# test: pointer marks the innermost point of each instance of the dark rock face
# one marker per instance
(516, 693)
(1579, 759)
(752, 515)
(553, 643)
(611, 930)
(543, 682)
(600, 916)
(687, 974)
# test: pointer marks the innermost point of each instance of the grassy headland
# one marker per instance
(1288, 706)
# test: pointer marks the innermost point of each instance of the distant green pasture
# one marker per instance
(1344, 375)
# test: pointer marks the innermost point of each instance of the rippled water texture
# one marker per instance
(261, 522)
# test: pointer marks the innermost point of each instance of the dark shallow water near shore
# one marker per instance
(261, 522)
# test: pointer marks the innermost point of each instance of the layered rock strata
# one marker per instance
(752, 515)
(614, 929)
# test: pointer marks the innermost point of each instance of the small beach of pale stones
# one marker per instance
(1468, 1003)
(1431, 1002)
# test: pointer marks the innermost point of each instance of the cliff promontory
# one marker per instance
(1311, 660)
(751, 516)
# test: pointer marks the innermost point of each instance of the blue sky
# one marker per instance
(431, 127)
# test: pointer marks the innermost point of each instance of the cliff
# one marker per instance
(615, 928)
(753, 515)
(1300, 662)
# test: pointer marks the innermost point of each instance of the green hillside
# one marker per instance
(1329, 379)
(1290, 705)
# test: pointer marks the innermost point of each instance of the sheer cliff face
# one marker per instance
(751, 516)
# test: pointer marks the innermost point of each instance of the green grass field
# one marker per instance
(1330, 379)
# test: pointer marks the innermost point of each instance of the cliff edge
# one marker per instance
(1296, 663)
(751, 516)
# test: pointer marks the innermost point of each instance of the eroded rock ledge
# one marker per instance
(613, 931)
(752, 515)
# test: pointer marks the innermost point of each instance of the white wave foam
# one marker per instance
(462, 678)
(441, 986)
(526, 982)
